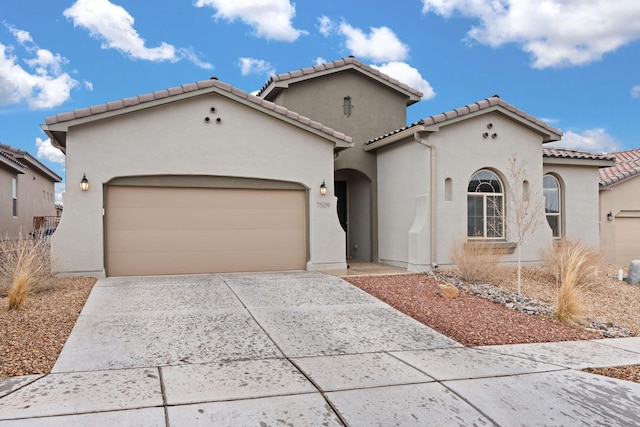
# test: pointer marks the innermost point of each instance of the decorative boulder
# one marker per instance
(633, 276)
(447, 290)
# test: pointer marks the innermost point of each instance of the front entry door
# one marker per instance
(341, 194)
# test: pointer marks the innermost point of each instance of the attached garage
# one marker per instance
(627, 230)
(198, 178)
(177, 230)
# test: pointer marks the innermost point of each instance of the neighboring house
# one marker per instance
(208, 178)
(27, 193)
(620, 208)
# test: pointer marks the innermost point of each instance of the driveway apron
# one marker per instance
(298, 348)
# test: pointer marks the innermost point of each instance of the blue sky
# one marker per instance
(572, 63)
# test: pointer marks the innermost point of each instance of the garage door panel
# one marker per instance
(213, 241)
(221, 198)
(157, 230)
(198, 219)
(190, 262)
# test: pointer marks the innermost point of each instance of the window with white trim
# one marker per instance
(485, 206)
(552, 204)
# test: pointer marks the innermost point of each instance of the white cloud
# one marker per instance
(59, 188)
(635, 92)
(48, 152)
(42, 84)
(320, 60)
(23, 37)
(405, 73)
(326, 26)
(380, 45)
(114, 26)
(556, 33)
(270, 19)
(255, 66)
(593, 140)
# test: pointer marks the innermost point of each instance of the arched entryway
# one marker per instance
(353, 190)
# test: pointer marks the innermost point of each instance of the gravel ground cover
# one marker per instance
(31, 338)
(474, 320)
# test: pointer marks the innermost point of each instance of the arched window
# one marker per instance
(485, 206)
(552, 204)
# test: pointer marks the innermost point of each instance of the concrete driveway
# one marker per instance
(301, 348)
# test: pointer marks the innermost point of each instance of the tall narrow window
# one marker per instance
(552, 203)
(346, 105)
(14, 194)
(485, 206)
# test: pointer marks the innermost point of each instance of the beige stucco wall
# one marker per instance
(579, 188)
(174, 139)
(622, 197)
(459, 150)
(377, 109)
(36, 197)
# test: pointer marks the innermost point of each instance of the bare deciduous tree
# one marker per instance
(526, 207)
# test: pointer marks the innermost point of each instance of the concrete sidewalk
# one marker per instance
(301, 348)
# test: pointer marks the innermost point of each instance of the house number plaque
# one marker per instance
(323, 205)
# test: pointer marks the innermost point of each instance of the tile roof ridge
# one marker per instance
(480, 105)
(185, 89)
(483, 104)
(350, 60)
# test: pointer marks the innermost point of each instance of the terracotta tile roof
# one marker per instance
(336, 65)
(564, 153)
(470, 109)
(186, 89)
(627, 166)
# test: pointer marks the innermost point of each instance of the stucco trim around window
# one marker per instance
(495, 247)
(553, 204)
(485, 206)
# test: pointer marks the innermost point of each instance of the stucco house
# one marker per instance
(198, 178)
(620, 208)
(206, 177)
(27, 193)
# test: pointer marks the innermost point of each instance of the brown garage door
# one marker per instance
(161, 230)
(627, 239)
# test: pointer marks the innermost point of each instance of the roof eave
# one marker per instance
(600, 163)
(399, 136)
(17, 168)
(58, 131)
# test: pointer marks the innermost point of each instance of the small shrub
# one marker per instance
(574, 266)
(476, 262)
(25, 266)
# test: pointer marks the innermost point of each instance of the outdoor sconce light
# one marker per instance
(84, 183)
(323, 188)
(609, 216)
(347, 106)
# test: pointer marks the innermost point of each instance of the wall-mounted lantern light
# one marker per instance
(609, 216)
(323, 188)
(84, 183)
(346, 105)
